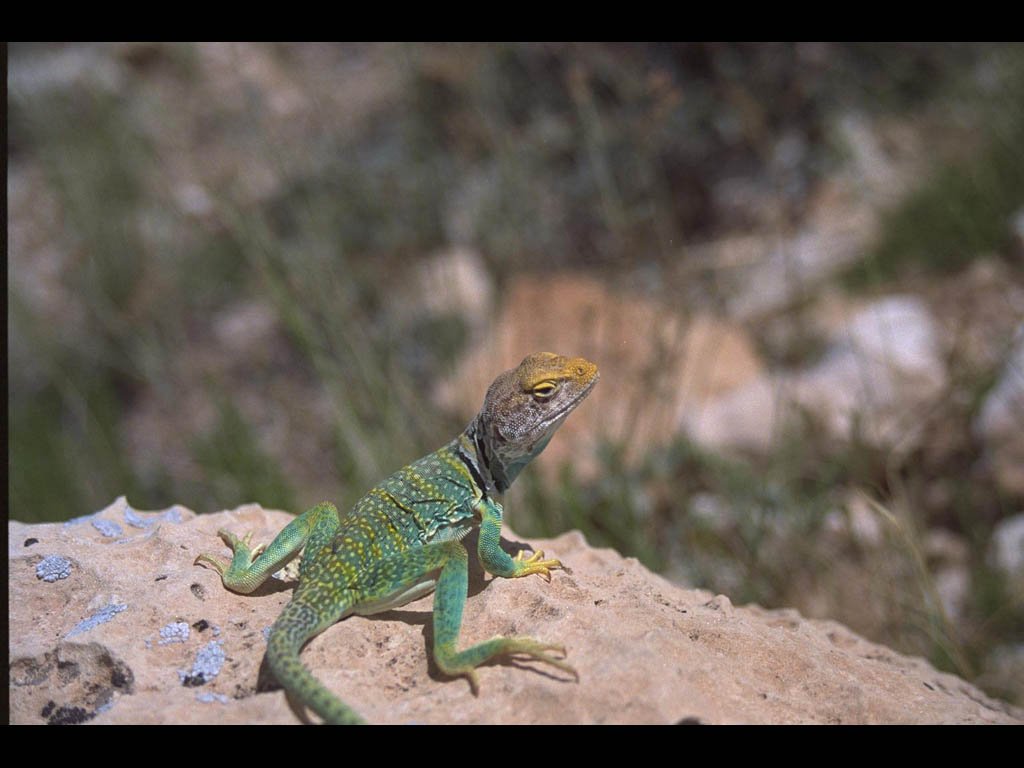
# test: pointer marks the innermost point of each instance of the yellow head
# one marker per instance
(526, 405)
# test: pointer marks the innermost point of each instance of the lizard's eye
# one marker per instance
(544, 390)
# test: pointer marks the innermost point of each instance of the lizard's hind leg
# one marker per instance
(250, 567)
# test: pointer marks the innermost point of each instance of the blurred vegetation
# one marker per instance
(956, 215)
(592, 157)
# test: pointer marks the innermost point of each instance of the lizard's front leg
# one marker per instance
(495, 559)
(251, 567)
(451, 596)
(397, 574)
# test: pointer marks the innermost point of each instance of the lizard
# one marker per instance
(403, 539)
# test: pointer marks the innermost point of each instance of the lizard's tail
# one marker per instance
(297, 623)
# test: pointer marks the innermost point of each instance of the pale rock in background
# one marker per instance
(881, 370)
(1000, 424)
(1008, 546)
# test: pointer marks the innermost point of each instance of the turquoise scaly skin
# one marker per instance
(403, 538)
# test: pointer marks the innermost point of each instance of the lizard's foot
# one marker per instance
(535, 564)
(209, 560)
(242, 557)
(525, 648)
(236, 543)
(537, 651)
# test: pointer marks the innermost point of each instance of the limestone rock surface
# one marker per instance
(110, 622)
(1000, 424)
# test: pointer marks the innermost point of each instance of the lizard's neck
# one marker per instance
(497, 467)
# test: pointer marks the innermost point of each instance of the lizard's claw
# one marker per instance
(217, 565)
(536, 651)
(519, 648)
(534, 564)
(233, 541)
(474, 681)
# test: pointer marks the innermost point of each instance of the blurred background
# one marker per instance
(276, 273)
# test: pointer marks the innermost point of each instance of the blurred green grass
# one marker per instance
(582, 157)
(955, 216)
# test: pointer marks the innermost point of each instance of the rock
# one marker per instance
(1000, 423)
(1003, 669)
(453, 281)
(55, 69)
(766, 272)
(1008, 545)
(745, 419)
(949, 562)
(246, 329)
(109, 644)
(1017, 227)
(869, 161)
(898, 331)
(757, 275)
(953, 586)
(982, 307)
(856, 520)
(880, 370)
(194, 200)
(943, 548)
(659, 362)
(791, 267)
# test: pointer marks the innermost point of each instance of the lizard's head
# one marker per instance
(526, 405)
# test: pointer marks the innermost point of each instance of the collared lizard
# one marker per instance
(403, 538)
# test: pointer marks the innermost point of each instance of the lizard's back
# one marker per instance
(428, 500)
